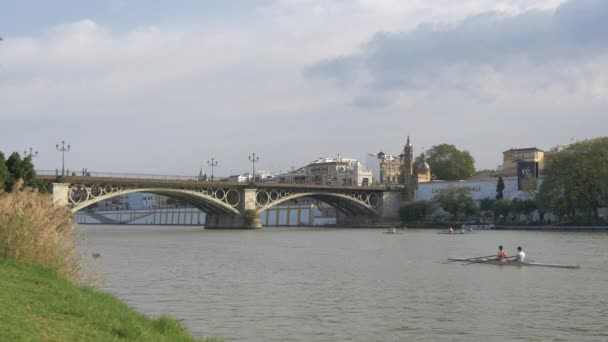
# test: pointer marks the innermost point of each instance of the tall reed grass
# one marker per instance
(36, 230)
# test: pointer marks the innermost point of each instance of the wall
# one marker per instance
(480, 189)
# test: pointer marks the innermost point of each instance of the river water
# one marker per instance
(296, 284)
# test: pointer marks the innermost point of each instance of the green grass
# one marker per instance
(38, 305)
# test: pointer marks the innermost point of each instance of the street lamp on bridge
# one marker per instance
(212, 163)
(31, 154)
(63, 150)
(253, 158)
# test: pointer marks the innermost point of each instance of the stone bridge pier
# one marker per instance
(247, 217)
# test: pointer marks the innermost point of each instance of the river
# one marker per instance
(300, 284)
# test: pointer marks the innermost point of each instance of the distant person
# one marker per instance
(450, 230)
(501, 254)
(521, 256)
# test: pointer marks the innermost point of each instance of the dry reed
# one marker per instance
(36, 230)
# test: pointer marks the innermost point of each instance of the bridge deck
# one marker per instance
(173, 183)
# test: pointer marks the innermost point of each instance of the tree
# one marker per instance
(413, 211)
(576, 180)
(502, 208)
(456, 200)
(4, 173)
(13, 163)
(486, 204)
(449, 163)
(500, 187)
(524, 206)
(22, 169)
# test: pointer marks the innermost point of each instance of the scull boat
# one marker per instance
(512, 263)
(394, 231)
(458, 231)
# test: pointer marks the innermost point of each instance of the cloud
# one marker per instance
(512, 45)
(159, 96)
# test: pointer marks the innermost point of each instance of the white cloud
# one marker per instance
(211, 86)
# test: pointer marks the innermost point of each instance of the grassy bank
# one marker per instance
(38, 305)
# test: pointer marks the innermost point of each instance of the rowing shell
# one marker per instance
(513, 263)
(457, 232)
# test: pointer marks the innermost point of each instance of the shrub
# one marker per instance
(36, 230)
(412, 211)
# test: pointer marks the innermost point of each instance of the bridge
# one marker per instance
(231, 204)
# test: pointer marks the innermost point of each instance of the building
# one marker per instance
(293, 177)
(513, 157)
(140, 200)
(260, 176)
(338, 171)
(403, 170)
(390, 168)
(329, 171)
(478, 188)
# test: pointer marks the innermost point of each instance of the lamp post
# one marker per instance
(63, 150)
(253, 158)
(31, 154)
(212, 163)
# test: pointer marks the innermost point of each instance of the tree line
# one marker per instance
(573, 188)
(15, 168)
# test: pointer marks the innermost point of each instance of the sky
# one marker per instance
(161, 87)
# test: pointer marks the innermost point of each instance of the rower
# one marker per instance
(521, 256)
(501, 254)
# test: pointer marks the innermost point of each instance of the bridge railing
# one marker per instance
(178, 178)
(116, 175)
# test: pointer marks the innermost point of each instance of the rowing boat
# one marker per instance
(394, 231)
(513, 263)
(457, 232)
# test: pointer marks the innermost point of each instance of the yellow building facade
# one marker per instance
(510, 159)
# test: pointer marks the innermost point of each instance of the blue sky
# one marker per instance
(29, 17)
(161, 87)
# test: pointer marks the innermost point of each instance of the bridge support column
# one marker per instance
(60, 193)
(223, 221)
(251, 217)
(248, 219)
(391, 201)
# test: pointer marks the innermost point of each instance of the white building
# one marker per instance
(139, 200)
(260, 176)
(479, 188)
(338, 171)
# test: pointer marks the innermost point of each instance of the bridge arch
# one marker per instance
(200, 200)
(342, 202)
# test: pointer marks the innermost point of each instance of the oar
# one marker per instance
(478, 261)
(481, 257)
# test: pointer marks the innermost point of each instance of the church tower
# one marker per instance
(410, 179)
(408, 162)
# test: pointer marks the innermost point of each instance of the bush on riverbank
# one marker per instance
(39, 305)
(35, 230)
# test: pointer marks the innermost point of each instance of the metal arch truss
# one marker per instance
(265, 198)
(79, 194)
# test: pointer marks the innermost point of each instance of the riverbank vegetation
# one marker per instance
(15, 168)
(572, 190)
(40, 305)
(575, 184)
(33, 229)
(448, 162)
(39, 273)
